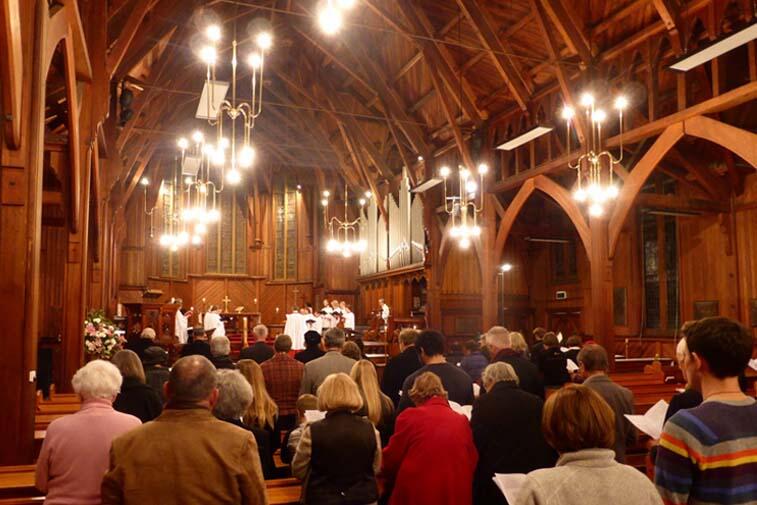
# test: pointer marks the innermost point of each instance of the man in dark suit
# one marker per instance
(500, 347)
(506, 424)
(594, 366)
(199, 345)
(401, 366)
(538, 346)
(259, 351)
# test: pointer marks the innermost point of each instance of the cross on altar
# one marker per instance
(226, 301)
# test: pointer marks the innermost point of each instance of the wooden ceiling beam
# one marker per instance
(509, 71)
(614, 17)
(571, 32)
(715, 186)
(502, 35)
(126, 36)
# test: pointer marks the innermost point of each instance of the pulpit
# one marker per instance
(158, 316)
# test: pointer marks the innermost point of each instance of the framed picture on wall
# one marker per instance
(706, 308)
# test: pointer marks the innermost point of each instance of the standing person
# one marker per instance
(136, 397)
(263, 412)
(333, 361)
(376, 405)
(553, 363)
(213, 323)
(457, 384)
(431, 457)
(384, 311)
(500, 347)
(259, 350)
(339, 456)
(283, 376)
(74, 454)
(579, 425)
(594, 366)
(506, 424)
(312, 348)
(708, 454)
(181, 322)
(156, 369)
(573, 347)
(199, 345)
(538, 346)
(691, 396)
(474, 361)
(399, 367)
(216, 461)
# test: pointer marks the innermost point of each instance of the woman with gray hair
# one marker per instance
(506, 424)
(136, 397)
(75, 453)
(234, 398)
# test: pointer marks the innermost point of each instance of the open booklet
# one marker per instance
(312, 416)
(652, 422)
(753, 364)
(571, 366)
(510, 484)
(465, 410)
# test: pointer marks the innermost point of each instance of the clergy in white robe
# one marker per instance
(295, 327)
(212, 321)
(181, 327)
(384, 311)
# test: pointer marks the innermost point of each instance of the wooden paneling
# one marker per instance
(462, 272)
(52, 256)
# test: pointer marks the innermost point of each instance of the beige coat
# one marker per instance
(184, 457)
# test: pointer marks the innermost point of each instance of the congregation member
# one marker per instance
(708, 454)
(259, 350)
(216, 461)
(431, 457)
(338, 457)
(457, 384)
(333, 361)
(156, 369)
(579, 424)
(506, 424)
(538, 345)
(573, 347)
(138, 345)
(552, 362)
(474, 361)
(377, 407)
(234, 398)
(312, 348)
(455, 354)
(500, 347)
(283, 376)
(263, 412)
(220, 349)
(74, 454)
(136, 397)
(352, 351)
(594, 367)
(198, 346)
(401, 366)
(292, 438)
(690, 397)
(519, 345)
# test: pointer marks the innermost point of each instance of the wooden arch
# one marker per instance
(11, 72)
(558, 194)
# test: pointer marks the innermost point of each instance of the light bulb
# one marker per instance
(214, 215)
(475, 231)
(201, 229)
(483, 168)
(599, 116)
(164, 240)
(144, 181)
(233, 177)
(213, 33)
(464, 243)
(196, 240)
(612, 192)
(329, 19)
(325, 202)
(455, 231)
(368, 195)
(332, 245)
(183, 238)
(464, 173)
(208, 55)
(587, 100)
(568, 113)
(208, 150)
(255, 60)
(580, 195)
(223, 143)
(444, 171)
(596, 210)
(188, 214)
(347, 252)
(246, 157)
(361, 201)
(471, 186)
(264, 40)
(174, 247)
(594, 190)
(219, 158)
(346, 4)
(182, 143)
(621, 102)
(203, 188)
(197, 136)
(506, 267)
(420, 158)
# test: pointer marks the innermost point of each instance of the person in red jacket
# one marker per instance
(431, 457)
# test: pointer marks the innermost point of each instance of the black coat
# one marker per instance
(155, 377)
(259, 352)
(686, 400)
(397, 370)
(553, 366)
(309, 354)
(528, 374)
(138, 399)
(201, 347)
(139, 345)
(506, 424)
(223, 363)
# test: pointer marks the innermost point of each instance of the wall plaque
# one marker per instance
(706, 308)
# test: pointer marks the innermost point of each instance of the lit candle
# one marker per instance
(244, 331)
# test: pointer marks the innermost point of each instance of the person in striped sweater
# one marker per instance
(708, 454)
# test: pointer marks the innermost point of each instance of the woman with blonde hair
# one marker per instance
(136, 397)
(262, 412)
(338, 457)
(377, 407)
(518, 343)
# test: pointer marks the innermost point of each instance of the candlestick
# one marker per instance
(244, 331)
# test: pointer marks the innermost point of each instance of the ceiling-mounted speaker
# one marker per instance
(213, 94)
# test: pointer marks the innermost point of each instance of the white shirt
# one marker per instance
(385, 312)
(181, 327)
(212, 321)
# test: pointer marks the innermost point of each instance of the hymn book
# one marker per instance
(465, 410)
(312, 416)
(652, 422)
(510, 484)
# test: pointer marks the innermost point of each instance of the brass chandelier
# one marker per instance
(344, 235)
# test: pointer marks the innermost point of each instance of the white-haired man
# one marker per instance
(259, 350)
(500, 347)
(220, 349)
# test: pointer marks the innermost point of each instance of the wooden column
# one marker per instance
(490, 297)
(600, 312)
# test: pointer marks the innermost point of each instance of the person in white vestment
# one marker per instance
(327, 318)
(384, 310)
(212, 322)
(348, 315)
(181, 325)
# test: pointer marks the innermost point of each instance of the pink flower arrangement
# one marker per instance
(100, 338)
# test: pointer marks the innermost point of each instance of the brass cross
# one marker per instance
(226, 300)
